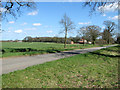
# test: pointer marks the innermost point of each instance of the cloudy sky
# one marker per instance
(44, 21)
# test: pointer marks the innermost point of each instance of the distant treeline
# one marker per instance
(46, 39)
(11, 41)
(62, 40)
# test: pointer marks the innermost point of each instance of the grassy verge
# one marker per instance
(33, 48)
(90, 70)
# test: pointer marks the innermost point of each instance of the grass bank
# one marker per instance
(31, 48)
(91, 70)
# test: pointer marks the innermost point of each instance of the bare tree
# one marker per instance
(13, 8)
(109, 28)
(67, 25)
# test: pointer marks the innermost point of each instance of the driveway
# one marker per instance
(18, 63)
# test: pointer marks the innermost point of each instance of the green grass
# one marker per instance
(32, 48)
(90, 70)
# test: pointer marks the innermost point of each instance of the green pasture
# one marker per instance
(31, 48)
(98, 69)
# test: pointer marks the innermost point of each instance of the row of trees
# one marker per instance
(90, 33)
(46, 39)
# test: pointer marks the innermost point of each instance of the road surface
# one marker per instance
(18, 63)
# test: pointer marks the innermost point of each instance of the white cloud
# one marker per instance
(108, 7)
(30, 29)
(33, 13)
(18, 31)
(104, 15)
(3, 9)
(114, 18)
(24, 23)
(11, 22)
(37, 24)
(50, 31)
(84, 23)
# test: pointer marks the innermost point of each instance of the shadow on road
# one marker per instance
(70, 53)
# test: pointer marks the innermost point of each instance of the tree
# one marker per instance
(13, 7)
(109, 28)
(118, 38)
(27, 39)
(105, 35)
(93, 32)
(67, 25)
(82, 33)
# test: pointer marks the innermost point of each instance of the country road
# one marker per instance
(18, 63)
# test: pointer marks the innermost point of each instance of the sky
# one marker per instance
(44, 20)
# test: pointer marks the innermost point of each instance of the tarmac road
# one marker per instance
(18, 63)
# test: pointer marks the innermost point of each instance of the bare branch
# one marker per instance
(14, 8)
(94, 5)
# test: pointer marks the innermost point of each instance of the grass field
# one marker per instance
(91, 70)
(31, 48)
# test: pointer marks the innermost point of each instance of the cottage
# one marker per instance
(82, 41)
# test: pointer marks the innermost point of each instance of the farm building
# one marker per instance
(82, 41)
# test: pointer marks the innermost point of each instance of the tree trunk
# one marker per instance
(108, 41)
(93, 42)
(109, 38)
(83, 42)
(65, 38)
